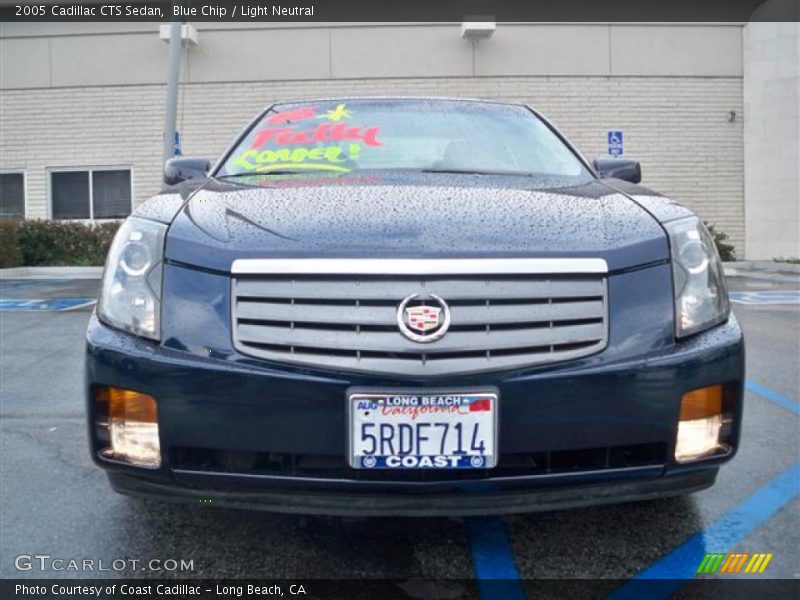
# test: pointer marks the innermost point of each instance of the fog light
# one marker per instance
(700, 423)
(131, 422)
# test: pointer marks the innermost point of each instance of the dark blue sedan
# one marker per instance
(396, 306)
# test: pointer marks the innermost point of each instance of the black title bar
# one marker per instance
(387, 589)
(221, 11)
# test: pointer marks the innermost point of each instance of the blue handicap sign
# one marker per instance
(615, 143)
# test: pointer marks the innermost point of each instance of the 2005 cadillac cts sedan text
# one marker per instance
(407, 306)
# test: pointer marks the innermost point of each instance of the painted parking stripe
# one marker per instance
(681, 564)
(26, 282)
(57, 304)
(766, 297)
(493, 561)
(773, 396)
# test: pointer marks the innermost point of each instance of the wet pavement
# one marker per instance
(54, 500)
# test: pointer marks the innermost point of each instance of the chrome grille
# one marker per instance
(501, 317)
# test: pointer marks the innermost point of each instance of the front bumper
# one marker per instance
(604, 427)
(478, 503)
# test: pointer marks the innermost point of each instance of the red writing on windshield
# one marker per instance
(325, 132)
(298, 114)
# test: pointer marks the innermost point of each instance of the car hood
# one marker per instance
(427, 216)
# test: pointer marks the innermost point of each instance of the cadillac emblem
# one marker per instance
(423, 319)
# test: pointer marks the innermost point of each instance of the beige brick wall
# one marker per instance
(677, 126)
(772, 150)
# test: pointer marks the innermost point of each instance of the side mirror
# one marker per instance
(181, 169)
(627, 170)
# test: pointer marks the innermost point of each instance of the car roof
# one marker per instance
(400, 98)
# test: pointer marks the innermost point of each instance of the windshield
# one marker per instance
(353, 136)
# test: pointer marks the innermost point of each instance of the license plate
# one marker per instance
(423, 431)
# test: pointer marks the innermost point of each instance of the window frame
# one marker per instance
(87, 169)
(24, 172)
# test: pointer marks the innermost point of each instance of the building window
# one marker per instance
(90, 193)
(12, 194)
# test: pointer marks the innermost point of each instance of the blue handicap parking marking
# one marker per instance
(493, 560)
(681, 564)
(766, 297)
(57, 304)
(773, 396)
(15, 283)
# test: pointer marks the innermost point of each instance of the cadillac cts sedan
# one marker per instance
(399, 306)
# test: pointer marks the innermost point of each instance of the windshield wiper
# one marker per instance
(475, 172)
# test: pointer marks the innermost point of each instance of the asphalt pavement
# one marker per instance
(54, 500)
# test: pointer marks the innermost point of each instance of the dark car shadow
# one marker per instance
(613, 541)
(240, 543)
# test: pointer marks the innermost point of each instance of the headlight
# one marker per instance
(130, 298)
(701, 298)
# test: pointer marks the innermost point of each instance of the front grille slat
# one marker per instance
(350, 323)
(527, 313)
(430, 367)
(387, 315)
(393, 341)
(396, 288)
(316, 313)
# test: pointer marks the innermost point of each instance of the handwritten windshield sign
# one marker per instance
(306, 138)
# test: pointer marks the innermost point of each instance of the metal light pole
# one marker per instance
(173, 75)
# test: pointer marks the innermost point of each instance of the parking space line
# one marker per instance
(681, 564)
(27, 282)
(56, 304)
(766, 297)
(772, 396)
(493, 561)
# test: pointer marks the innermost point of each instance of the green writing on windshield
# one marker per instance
(326, 158)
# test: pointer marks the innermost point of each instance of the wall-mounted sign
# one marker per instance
(615, 143)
